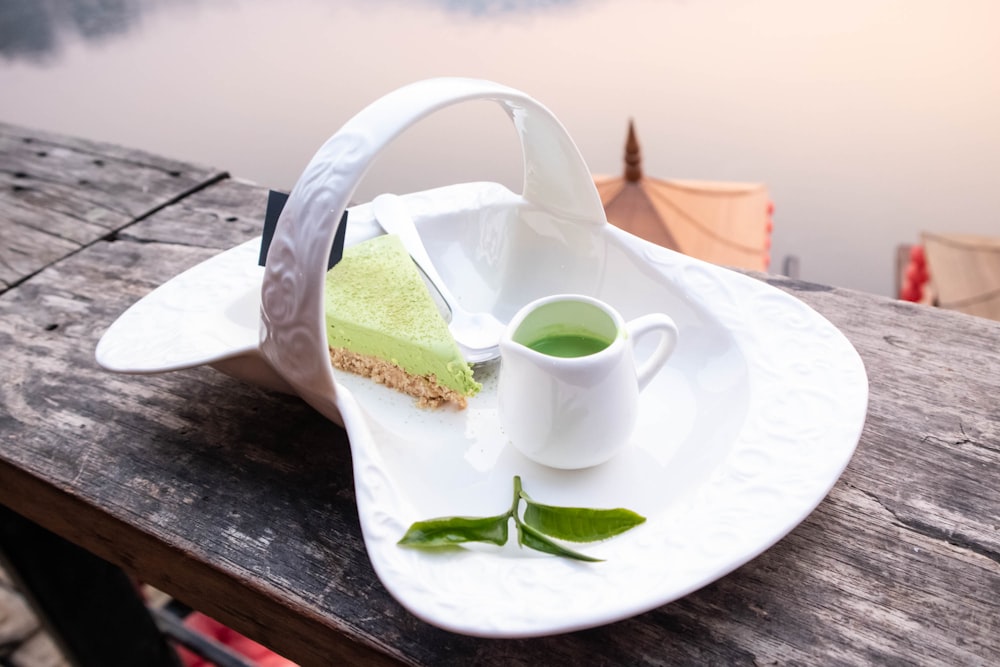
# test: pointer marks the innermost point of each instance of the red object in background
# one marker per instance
(769, 229)
(916, 276)
(251, 650)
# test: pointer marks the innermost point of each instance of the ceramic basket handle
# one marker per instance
(293, 336)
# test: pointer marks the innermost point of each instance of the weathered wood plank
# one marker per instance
(61, 193)
(220, 217)
(933, 418)
(66, 421)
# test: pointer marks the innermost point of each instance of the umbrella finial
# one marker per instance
(633, 160)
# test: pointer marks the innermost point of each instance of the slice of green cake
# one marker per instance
(382, 323)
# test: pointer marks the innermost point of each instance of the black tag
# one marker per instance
(275, 204)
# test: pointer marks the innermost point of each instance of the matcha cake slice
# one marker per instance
(382, 323)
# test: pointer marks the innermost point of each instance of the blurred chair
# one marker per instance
(955, 271)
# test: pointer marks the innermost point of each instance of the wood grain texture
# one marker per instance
(61, 193)
(240, 502)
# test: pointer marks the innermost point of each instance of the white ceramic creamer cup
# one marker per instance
(573, 411)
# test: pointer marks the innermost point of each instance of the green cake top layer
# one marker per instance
(377, 304)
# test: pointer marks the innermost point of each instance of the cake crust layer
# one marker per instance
(426, 390)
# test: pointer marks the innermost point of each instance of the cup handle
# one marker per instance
(653, 323)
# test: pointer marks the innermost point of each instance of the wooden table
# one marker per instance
(240, 502)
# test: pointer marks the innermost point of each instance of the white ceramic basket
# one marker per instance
(737, 439)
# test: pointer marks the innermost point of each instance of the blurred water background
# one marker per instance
(869, 120)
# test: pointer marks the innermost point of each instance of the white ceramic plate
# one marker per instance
(738, 439)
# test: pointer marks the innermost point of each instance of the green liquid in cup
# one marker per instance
(569, 345)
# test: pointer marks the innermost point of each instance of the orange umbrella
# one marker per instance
(720, 222)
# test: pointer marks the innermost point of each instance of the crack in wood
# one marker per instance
(964, 440)
(896, 341)
(951, 537)
(934, 532)
(128, 238)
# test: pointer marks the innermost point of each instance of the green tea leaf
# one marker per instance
(449, 531)
(540, 524)
(578, 524)
(530, 537)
